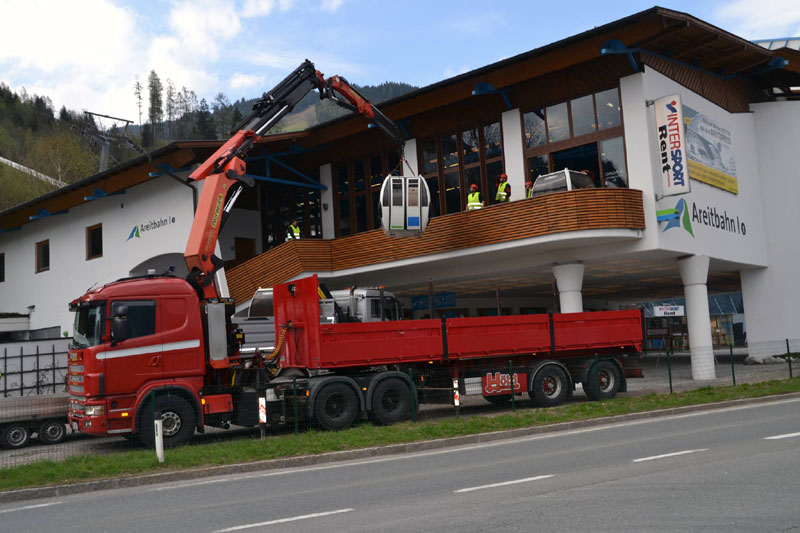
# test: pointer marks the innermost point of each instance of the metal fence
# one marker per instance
(35, 425)
(33, 367)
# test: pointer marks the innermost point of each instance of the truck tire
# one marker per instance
(549, 386)
(336, 406)
(610, 381)
(391, 402)
(178, 417)
(14, 435)
(52, 432)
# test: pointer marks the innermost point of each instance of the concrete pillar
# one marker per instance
(513, 153)
(694, 274)
(410, 153)
(327, 199)
(569, 279)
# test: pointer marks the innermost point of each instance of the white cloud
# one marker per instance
(764, 19)
(200, 25)
(260, 8)
(246, 81)
(331, 5)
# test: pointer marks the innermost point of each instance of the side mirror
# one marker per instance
(119, 325)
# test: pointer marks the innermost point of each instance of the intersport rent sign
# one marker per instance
(672, 146)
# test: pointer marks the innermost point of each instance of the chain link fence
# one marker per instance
(34, 427)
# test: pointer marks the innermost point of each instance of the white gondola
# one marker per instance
(405, 206)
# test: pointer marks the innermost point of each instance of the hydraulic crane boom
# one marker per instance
(225, 171)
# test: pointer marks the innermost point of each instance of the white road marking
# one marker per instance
(653, 457)
(457, 449)
(283, 520)
(785, 436)
(29, 507)
(504, 483)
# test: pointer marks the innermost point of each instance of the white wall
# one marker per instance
(772, 295)
(162, 209)
(745, 207)
(513, 153)
(243, 223)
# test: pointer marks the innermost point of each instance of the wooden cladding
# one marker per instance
(585, 209)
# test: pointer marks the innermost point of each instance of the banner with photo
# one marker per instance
(710, 151)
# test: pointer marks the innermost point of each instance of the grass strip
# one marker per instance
(95, 467)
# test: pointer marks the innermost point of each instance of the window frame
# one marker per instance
(38, 265)
(89, 230)
(352, 196)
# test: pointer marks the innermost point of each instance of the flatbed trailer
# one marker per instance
(22, 417)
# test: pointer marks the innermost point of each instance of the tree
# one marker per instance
(156, 110)
(236, 118)
(204, 127)
(61, 155)
(171, 103)
(222, 115)
(137, 91)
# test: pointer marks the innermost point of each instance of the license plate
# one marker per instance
(74, 426)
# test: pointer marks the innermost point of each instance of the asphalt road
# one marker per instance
(734, 469)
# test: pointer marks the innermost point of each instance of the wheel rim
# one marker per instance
(551, 387)
(335, 406)
(606, 381)
(390, 401)
(171, 423)
(53, 431)
(16, 436)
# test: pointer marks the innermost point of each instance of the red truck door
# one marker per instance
(138, 358)
(182, 335)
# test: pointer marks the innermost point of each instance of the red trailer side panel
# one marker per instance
(603, 331)
(380, 343)
(297, 304)
(497, 335)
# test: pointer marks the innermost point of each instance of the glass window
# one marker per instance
(470, 146)
(342, 179)
(583, 116)
(493, 140)
(141, 317)
(314, 219)
(452, 192)
(493, 171)
(394, 164)
(376, 171)
(608, 109)
(433, 186)
(581, 158)
(88, 326)
(612, 154)
(42, 256)
(557, 122)
(472, 175)
(537, 166)
(429, 157)
(359, 177)
(361, 213)
(449, 151)
(534, 128)
(376, 209)
(344, 218)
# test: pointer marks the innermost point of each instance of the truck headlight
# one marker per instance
(95, 410)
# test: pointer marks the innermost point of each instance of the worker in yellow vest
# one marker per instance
(528, 189)
(474, 198)
(293, 231)
(503, 189)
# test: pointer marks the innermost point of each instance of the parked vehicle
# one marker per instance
(24, 416)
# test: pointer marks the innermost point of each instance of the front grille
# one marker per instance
(76, 369)
(76, 388)
(76, 378)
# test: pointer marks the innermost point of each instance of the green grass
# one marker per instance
(94, 467)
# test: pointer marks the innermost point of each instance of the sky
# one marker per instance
(88, 54)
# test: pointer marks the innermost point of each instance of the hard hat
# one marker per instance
(529, 184)
(503, 175)
(474, 186)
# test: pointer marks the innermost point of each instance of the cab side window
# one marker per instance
(141, 316)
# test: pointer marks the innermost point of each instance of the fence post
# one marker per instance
(21, 372)
(669, 369)
(733, 372)
(294, 406)
(511, 386)
(597, 376)
(53, 363)
(413, 395)
(5, 372)
(37, 377)
(789, 358)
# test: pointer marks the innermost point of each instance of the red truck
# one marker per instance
(162, 344)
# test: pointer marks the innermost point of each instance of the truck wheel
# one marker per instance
(391, 402)
(14, 436)
(610, 381)
(336, 406)
(178, 418)
(549, 387)
(52, 432)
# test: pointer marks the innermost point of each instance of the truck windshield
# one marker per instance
(88, 328)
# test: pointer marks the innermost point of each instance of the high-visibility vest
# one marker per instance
(530, 193)
(293, 232)
(474, 201)
(501, 195)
